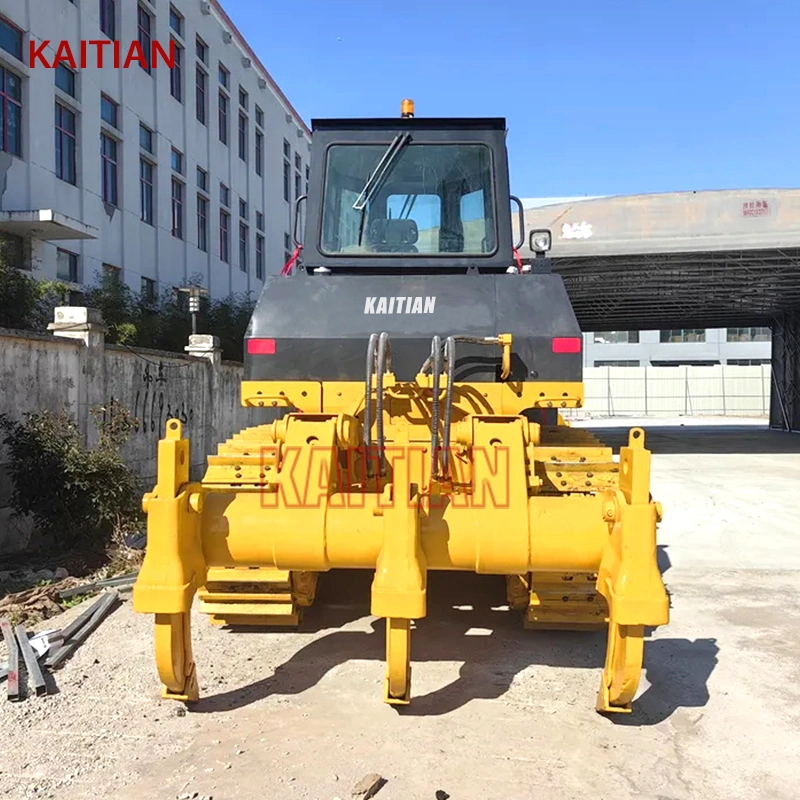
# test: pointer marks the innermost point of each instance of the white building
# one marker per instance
(696, 347)
(158, 175)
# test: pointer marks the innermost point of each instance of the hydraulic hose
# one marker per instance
(384, 362)
(373, 341)
(436, 356)
(450, 358)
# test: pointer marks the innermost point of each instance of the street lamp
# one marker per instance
(195, 293)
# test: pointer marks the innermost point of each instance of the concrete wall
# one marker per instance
(39, 372)
(720, 390)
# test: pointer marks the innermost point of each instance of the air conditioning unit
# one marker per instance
(262, 83)
(205, 7)
(289, 118)
(227, 37)
(246, 62)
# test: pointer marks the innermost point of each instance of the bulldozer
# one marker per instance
(418, 374)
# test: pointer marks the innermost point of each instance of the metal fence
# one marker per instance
(720, 390)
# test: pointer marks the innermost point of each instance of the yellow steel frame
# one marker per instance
(313, 508)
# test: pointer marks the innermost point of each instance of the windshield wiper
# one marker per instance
(375, 181)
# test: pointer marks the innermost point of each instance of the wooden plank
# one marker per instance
(13, 660)
(35, 675)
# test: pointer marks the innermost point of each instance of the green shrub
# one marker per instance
(78, 496)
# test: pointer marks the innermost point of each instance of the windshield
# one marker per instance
(433, 199)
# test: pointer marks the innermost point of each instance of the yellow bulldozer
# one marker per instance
(417, 370)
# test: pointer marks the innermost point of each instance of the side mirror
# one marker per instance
(521, 214)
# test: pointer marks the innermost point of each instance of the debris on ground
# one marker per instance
(48, 649)
(368, 786)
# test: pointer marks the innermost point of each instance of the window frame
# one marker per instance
(7, 102)
(147, 186)
(178, 207)
(110, 182)
(63, 134)
(108, 19)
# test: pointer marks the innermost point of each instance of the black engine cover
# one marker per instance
(321, 325)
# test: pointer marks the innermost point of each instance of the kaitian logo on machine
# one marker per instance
(399, 305)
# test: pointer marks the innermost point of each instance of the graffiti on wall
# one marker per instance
(153, 406)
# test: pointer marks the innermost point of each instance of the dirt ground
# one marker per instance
(498, 712)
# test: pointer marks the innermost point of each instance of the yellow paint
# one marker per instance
(573, 531)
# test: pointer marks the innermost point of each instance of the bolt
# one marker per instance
(609, 512)
(196, 502)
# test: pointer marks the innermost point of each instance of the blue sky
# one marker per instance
(600, 96)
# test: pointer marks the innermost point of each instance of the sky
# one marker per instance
(599, 96)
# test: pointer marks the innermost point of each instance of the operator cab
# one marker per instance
(408, 195)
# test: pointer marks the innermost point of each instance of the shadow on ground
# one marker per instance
(703, 439)
(468, 622)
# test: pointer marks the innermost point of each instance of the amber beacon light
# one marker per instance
(407, 108)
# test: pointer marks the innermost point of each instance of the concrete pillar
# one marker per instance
(203, 345)
(85, 324)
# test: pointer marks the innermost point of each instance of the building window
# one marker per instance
(243, 98)
(145, 26)
(287, 248)
(683, 335)
(176, 74)
(259, 117)
(224, 195)
(177, 161)
(202, 223)
(748, 335)
(616, 337)
(201, 50)
(66, 144)
(145, 138)
(108, 18)
(148, 290)
(146, 173)
(110, 271)
(259, 153)
(66, 266)
(110, 167)
(224, 75)
(287, 171)
(109, 111)
(65, 80)
(259, 221)
(308, 172)
(177, 208)
(287, 150)
(201, 82)
(10, 112)
(243, 236)
(298, 163)
(298, 182)
(223, 117)
(11, 38)
(260, 257)
(243, 137)
(176, 21)
(225, 236)
(243, 209)
(202, 179)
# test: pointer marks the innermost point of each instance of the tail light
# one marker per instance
(567, 344)
(261, 347)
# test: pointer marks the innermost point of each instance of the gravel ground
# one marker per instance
(497, 711)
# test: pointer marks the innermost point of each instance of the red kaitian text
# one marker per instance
(99, 53)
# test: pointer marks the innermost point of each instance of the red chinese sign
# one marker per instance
(755, 208)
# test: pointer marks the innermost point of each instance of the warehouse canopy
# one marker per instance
(676, 260)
